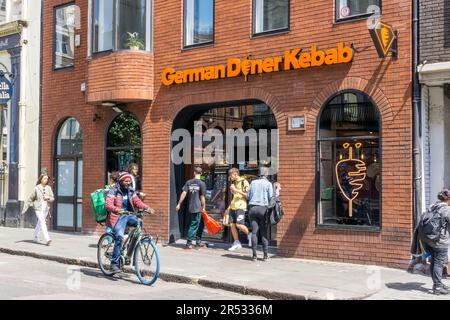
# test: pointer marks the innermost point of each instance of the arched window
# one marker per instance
(70, 139)
(349, 162)
(124, 143)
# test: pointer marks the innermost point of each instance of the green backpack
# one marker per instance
(98, 198)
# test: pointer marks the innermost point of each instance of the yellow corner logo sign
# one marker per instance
(292, 59)
(385, 39)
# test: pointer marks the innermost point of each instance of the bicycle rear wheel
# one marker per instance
(105, 250)
(146, 261)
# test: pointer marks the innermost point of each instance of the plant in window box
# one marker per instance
(134, 42)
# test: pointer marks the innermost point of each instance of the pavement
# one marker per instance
(216, 268)
(49, 280)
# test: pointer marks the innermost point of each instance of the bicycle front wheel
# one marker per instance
(146, 261)
(105, 250)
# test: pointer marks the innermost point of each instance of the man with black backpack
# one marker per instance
(434, 234)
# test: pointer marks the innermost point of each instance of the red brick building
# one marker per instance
(363, 105)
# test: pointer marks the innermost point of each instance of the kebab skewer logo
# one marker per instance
(350, 175)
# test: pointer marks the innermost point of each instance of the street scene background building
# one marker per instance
(355, 111)
(20, 52)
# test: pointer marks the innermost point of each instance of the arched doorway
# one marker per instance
(349, 162)
(244, 115)
(124, 144)
(69, 176)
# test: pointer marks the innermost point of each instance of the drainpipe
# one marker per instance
(417, 117)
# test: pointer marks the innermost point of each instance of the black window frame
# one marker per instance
(270, 32)
(360, 16)
(56, 8)
(115, 31)
(318, 140)
(203, 44)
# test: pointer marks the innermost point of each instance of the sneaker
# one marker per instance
(48, 242)
(188, 247)
(254, 258)
(36, 240)
(236, 245)
(249, 237)
(266, 258)
(115, 268)
(440, 290)
(200, 245)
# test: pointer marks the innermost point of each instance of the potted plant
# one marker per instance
(134, 42)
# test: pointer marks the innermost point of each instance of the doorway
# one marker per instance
(245, 115)
(69, 177)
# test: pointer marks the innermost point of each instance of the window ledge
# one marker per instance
(348, 228)
(64, 68)
(198, 46)
(269, 34)
(351, 19)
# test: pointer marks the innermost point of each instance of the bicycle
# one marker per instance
(138, 246)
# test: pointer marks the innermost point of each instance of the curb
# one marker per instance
(272, 295)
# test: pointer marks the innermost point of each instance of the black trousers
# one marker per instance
(439, 258)
(257, 216)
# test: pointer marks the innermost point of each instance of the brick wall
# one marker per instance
(434, 30)
(387, 81)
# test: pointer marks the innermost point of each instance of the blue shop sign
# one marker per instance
(5, 90)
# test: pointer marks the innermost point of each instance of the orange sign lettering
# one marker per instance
(291, 60)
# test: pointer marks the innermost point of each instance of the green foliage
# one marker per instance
(134, 40)
(124, 131)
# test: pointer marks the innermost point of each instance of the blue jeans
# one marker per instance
(119, 232)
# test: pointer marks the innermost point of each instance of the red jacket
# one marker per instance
(114, 204)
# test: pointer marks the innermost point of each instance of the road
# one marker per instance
(35, 279)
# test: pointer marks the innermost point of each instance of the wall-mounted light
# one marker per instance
(108, 104)
(117, 109)
(96, 117)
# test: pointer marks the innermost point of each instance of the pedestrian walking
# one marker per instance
(434, 229)
(113, 179)
(40, 200)
(133, 170)
(195, 190)
(238, 207)
(259, 195)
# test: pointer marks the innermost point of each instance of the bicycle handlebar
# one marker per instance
(139, 212)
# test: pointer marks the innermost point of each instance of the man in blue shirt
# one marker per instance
(259, 195)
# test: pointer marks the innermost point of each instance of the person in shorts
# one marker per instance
(238, 207)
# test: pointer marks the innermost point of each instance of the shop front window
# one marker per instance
(348, 9)
(270, 16)
(124, 144)
(198, 22)
(64, 36)
(122, 25)
(349, 162)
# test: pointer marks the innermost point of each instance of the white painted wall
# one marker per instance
(437, 141)
(30, 98)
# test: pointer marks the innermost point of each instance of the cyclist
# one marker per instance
(120, 198)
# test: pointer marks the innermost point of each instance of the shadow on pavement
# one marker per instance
(31, 241)
(236, 256)
(115, 278)
(408, 286)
